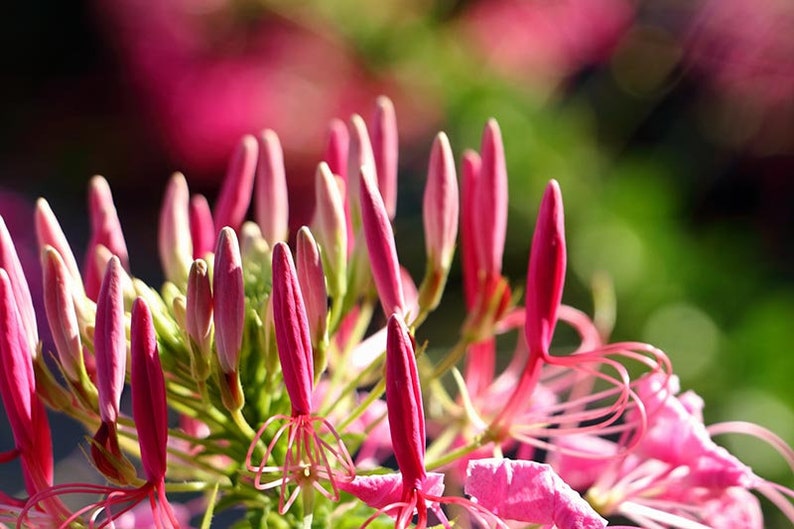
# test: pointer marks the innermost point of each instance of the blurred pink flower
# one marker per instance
(546, 40)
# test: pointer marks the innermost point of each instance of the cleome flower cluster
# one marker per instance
(293, 385)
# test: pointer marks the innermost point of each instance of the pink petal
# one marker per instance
(174, 242)
(105, 231)
(229, 301)
(202, 227)
(469, 248)
(385, 151)
(235, 195)
(381, 490)
(110, 342)
(312, 282)
(49, 232)
(440, 205)
(336, 149)
(9, 261)
(530, 492)
(59, 299)
(491, 201)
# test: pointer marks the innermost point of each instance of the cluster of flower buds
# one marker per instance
(299, 391)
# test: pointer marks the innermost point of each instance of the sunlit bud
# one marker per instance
(255, 252)
(110, 342)
(292, 332)
(546, 271)
(404, 403)
(59, 304)
(330, 227)
(49, 233)
(238, 186)
(175, 244)
(202, 227)
(359, 155)
(385, 146)
(272, 209)
(198, 316)
(312, 283)
(105, 231)
(468, 215)
(380, 247)
(491, 201)
(9, 260)
(440, 214)
(336, 149)
(148, 393)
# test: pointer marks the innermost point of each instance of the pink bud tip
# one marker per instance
(312, 282)
(110, 342)
(235, 195)
(49, 233)
(105, 231)
(470, 265)
(229, 299)
(174, 241)
(491, 201)
(360, 155)
(336, 150)
(441, 205)
(385, 146)
(198, 305)
(271, 190)
(546, 271)
(380, 246)
(202, 228)
(148, 393)
(59, 296)
(292, 331)
(404, 402)
(330, 226)
(9, 260)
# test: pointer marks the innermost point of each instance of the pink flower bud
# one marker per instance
(491, 201)
(198, 307)
(25, 412)
(404, 402)
(235, 195)
(360, 156)
(440, 205)
(292, 332)
(229, 300)
(272, 204)
(105, 231)
(110, 342)
(9, 260)
(385, 146)
(202, 228)
(49, 233)
(59, 304)
(312, 283)
(546, 271)
(174, 241)
(331, 228)
(470, 262)
(336, 150)
(148, 393)
(380, 247)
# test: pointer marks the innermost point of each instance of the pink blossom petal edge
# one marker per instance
(381, 490)
(527, 491)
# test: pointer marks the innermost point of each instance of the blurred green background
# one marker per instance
(669, 124)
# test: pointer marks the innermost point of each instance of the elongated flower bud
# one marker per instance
(440, 213)
(359, 156)
(238, 186)
(336, 150)
(546, 271)
(9, 260)
(380, 247)
(330, 226)
(491, 197)
(174, 242)
(229, 301)
(110, 342)
(312, 283)
(202, 228)
(198, 316)
(25, 413)
(292, 332)
(59, 304)
(49, 233)
(404, 402)
(272, 204)
(148, 393)
(385, 146)
(105, 231)
(470, 262)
